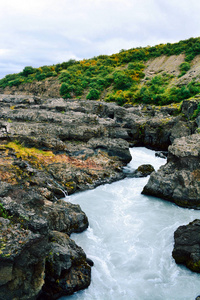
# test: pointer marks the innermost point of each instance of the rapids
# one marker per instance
(130, 240)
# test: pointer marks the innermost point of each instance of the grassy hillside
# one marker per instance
(122, 77)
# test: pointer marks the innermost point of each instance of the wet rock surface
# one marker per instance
(141, 171)
(187, 246)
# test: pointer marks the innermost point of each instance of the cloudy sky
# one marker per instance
(45, 32)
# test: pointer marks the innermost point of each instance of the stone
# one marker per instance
(161, 154)
(180, 129)
(189, 106)
(22, 262)
(67, 269)
(141, 171)
(178, 180)
(114, 147)
(187, 246)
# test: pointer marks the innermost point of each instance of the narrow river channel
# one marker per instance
(130, 240)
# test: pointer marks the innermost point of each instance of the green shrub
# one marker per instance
(40, 76)
(196, 112)
(65, 90)
(3, 212)
(16, 82)
(51, 74)
(27, 71)
(121, 80)
(184, 67)
(93, 94)
(136, 66)
(78, 90)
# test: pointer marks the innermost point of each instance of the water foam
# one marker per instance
(130, 240)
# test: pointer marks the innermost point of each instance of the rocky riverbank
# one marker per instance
(49, 147)
(179, 180)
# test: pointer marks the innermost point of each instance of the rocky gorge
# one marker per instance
(50, 147)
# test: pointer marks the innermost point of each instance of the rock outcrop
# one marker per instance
(56, 123)
(46, 150)
(50, 147)
(22, 261)
(67, 269)
(179, 180)
(34, 245)
(187, 246)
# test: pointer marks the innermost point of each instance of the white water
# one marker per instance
(130, 240)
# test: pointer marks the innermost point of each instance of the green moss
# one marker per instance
(196, 112)
(194, 266)
(3, 212)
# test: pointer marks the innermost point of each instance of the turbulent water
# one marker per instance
(130, 240)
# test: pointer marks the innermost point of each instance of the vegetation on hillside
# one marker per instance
(117, 77)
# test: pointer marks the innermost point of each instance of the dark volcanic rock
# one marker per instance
(22, 261)
(67, 270)
(114, 147)
(179, 179)
(141, 171)
(188, 107)
(187, 246)
(27, 243)
(52, 146)
(51, 122)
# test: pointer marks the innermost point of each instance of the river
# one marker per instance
(130, 240)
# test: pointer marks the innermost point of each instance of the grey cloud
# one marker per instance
(48, 32)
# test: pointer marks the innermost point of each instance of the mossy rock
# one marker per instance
(145, 170)
(141, 171)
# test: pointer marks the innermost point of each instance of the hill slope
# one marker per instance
(158, 75)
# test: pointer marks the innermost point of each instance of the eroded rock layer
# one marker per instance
(50, 147)
(179, 180)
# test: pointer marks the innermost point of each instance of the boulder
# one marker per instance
(189, 106)
(141, 171)
(179, 180)
(187, 246)
(22, 262)
(34, 255)
(67, 270)
(180, 129)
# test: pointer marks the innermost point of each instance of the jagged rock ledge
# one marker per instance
(179, 180)
(48, 146)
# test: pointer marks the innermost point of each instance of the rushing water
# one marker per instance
(130, 240)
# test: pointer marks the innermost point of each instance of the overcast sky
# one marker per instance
(45, 32)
